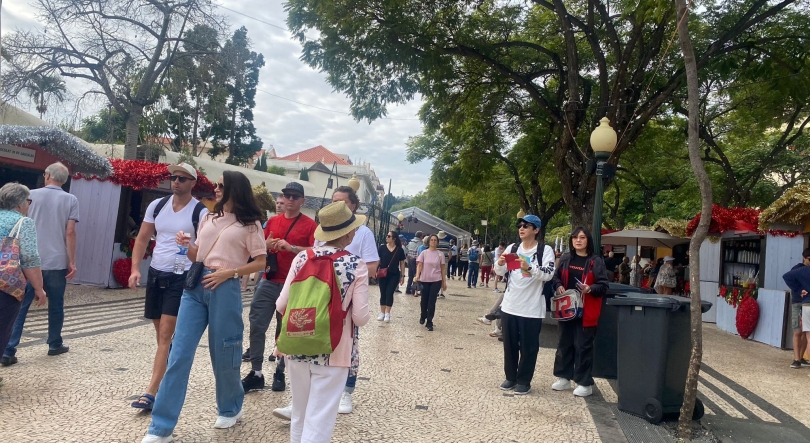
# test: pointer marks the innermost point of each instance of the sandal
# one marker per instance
(145, 401)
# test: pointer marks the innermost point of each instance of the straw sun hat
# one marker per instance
(337, 220)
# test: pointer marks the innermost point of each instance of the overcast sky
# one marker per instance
(292, 127)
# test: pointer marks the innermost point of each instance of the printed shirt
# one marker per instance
(29, 255)
(352, 273)
(524, 294)
(301, 235)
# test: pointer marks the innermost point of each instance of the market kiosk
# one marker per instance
(741, 260)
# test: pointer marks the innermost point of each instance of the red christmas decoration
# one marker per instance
(747, 317)
(140, 174)
(121, 269)
(731, 219)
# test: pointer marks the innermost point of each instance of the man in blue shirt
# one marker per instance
(798, 280)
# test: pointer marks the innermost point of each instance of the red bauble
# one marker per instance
(121, 269)
(747, 317)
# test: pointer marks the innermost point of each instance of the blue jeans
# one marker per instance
(472, 274)
(351, 380)
(54, 283)
(220, 310)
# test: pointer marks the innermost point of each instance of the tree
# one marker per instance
(693, 100)
(559, 66)
(42, 88)
(303, 175)
(107, 126)
(123, 47)
(243, 67)
(261, 162)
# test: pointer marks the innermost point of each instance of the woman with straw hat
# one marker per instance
(317, 382)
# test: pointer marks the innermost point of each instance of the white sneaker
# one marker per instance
(227, 422)
(484, 320)
(284, 413)
(561, 384)
(149, 438)
(387, 318)
(381, 317)
(345, 403)
(583, 391)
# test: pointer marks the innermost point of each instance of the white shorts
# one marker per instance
(805, 318)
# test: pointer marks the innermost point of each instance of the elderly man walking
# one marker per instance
(55, 213)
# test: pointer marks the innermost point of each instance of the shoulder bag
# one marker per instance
(194, 274)
(12, 280)
(383, 272)
(271, 265)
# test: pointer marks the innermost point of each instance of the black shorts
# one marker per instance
(163, 293)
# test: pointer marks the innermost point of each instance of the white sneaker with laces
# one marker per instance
(561, 384)
(345, 403)
(381, 317)
(387, 318)
(583, 391)
(149, 438)
(484, 320)
(284, 413)
(227, 422)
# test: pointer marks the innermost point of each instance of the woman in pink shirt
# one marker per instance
(430, 271)
(228, 236)
(318, 381)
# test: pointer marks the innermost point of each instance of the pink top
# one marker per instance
(432, 262)
(235, 246)
(353, 275)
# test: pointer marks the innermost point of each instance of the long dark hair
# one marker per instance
(238, 191)
(397, 241)
(575, 233)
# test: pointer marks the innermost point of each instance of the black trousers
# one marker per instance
(574, 359)
(451, 267)
(387, 287)
(410, 288)
(521, 342)
(430, 292)
(462, 269)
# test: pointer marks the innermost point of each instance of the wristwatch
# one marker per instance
(235, 273)
(294, 249)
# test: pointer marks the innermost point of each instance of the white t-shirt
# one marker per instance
(497, 253)
(364, 245)
(167, 224)
(524, 294)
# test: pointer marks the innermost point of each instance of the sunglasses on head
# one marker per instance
(525, 225)
(179, 177)
(291, 196)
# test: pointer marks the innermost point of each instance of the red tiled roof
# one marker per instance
(316, 154)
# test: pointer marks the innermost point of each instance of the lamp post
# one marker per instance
(521, 214)
(603, 142)
(486, 230)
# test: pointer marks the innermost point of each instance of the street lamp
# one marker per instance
(603, 142)
(486, 229)
(521, 214)
(354, 183)
(400, 217)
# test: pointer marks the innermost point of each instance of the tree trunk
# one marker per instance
(699, 169)
(133, 130)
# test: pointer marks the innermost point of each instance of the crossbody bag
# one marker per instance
(271, 265)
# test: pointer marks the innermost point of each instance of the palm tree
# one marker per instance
(43, 87)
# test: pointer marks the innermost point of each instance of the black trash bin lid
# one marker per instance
(662, 302)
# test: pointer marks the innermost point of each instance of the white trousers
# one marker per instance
(316, 392)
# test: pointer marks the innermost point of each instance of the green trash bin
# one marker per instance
(653, 355)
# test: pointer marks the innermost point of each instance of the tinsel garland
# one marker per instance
(265, 201)
(127, 248)
(727, 219)
(672, 226)
(121, 269)
(791, 208)
(735, 296)
(747, 317)
(61, 144)
(140, 174)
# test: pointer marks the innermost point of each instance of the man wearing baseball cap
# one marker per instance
(286, 234)
(164, 218)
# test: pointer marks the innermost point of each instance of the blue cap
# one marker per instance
(533, 219)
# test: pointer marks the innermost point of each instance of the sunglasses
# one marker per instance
(292, 196)
(179, 178)
(220, 186)
(526, 226)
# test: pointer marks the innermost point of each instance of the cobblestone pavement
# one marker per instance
(414, 385)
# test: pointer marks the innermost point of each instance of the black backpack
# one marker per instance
(195, 216)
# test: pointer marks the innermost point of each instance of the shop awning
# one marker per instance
(18, 127)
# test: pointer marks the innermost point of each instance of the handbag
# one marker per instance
(194, 273)
(567, 306)
(383, 272)
(12, 280)
(271, 261)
